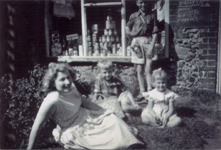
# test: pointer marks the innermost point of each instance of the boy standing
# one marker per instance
(142, 29)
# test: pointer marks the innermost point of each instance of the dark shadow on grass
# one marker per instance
(185, 112)
(46, 139)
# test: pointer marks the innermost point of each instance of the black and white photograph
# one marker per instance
(110, 74)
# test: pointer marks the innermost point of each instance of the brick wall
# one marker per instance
(196, 47)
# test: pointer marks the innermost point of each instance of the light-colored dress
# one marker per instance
(160, 103)
(78, 127)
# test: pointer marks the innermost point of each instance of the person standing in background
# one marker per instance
(142, 30)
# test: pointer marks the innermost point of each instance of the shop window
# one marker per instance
(100, 31)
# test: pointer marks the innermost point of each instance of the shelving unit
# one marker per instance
(109, 4)
(68, 59)
(85, 55)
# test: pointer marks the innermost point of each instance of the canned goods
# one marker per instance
(108, 24)
(112, 39)
(114, 48)
(117, 39)
(89, 43)
(105, 32)
(110, 32)
(70, 51)
(96, 46)
(100, 39)
(103, 39)
(95, 28)
(88, 38)
(115, 32)
(75, 53)
(108, 39)
(94, 38)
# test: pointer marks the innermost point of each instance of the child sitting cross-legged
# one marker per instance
(110, 92)
(160, 109)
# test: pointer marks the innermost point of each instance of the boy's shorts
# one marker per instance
(144, 44)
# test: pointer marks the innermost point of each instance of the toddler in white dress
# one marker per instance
(160, 109)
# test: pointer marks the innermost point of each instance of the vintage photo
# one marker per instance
(110, 74)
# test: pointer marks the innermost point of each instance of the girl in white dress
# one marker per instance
(160, 109)
(80, 123)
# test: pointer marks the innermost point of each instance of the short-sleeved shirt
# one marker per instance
(113, 87)
(141, 24)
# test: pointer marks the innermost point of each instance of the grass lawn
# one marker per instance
(200, 112)
(201, 122)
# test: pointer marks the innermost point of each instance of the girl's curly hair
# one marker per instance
(51, 74)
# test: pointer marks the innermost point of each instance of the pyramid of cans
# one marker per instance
(107, 44)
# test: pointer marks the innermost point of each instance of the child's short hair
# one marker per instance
(159, 74)
(105, 64)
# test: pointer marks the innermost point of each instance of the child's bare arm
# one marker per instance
(171, 106)
(150, 108)
(168, 114)
(131, 100)
(44, 112)
(130, 97)
(170, 109)
(155, 119)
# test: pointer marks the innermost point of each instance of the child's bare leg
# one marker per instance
(146, 117)
(128, 104)
(131, 99)
(140, 77)
(148, 68)
(174, 121)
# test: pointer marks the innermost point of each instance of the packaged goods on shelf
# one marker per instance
(103, 42)
(72, 45)
(56, 47)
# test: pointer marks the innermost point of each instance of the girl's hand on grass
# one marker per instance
(158, 121)
(164, 120)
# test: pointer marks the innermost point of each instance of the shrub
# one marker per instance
(21, 99)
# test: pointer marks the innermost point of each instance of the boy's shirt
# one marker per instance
(142, 24)
(113, 87)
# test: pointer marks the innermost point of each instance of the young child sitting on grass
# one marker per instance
(111, 90)
(160, 109)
